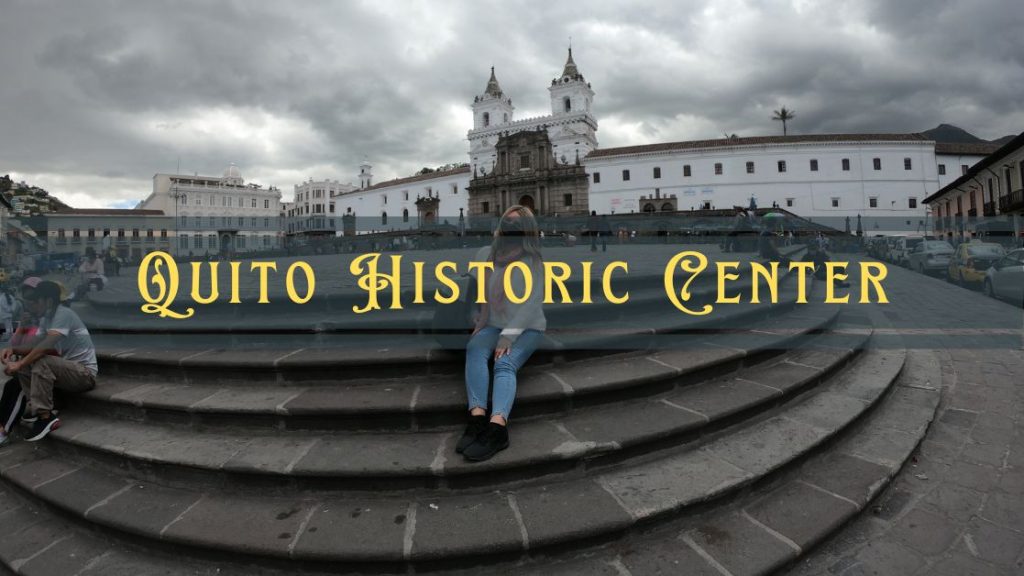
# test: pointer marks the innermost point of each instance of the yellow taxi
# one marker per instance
(971, 260)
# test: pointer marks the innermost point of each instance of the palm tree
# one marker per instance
(784, 115)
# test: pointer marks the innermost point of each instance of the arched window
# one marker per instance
(405, 215)
(649, 208)
(487, 119)
(667, 207)
(506, 118)
(567, 103)
(384, 218)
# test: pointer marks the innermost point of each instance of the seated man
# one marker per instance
(819, 257)
(73, 370)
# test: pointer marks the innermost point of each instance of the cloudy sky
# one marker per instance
(97, 96)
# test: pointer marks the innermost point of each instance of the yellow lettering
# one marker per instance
(481, 279)
(759, 271)
(692, 263)
(444, 279)
(803, 269)
(167, 288)
(875, 279)
(197, 278)
(289, 282)
(263, 267)
(606, 282)
(722, 277)
(833, 273)
(586, 283)
(552, 277)
(417, 275)
(235, 299)
(374, 282)
(527, 282)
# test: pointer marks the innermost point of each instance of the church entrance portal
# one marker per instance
(527, 201)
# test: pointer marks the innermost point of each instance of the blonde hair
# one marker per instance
(530, 237)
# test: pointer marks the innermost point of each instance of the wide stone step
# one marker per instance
(346, 530)
(431, 400)
(583, 439)
(768, 529)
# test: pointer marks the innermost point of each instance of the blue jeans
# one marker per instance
(479, 351)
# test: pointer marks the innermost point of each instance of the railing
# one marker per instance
(989, 209)
(1012, 201)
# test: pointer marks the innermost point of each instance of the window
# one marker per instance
(266, 204)
(149, 233)
(567, 103)
(405, 215)
(213, 221)
(942, 169)
(252, 222)
(718, 168)
(964, 168)
(199, 200)
(487, 119)
(135, 232)
(455, 189)
(908, 164)
(75, 233)
(383, 218)
(91, 233)
(120, 232)
(686, 171)
(657, 171)
(597, 177)
(385, 199)
(877, 163)
(782, 165)
(266, 222)
(184, 199)
(163, 233)
(486, 208)
(406, 192)
(184, 221)
(835, 202)
(331, 209)
(846, 164)
(789, 202)
(706, 205)
(183, 241)
(241, 222)
(750, 168)
(912, 202)
(567, 199)
(625, 175)
(223, 201)
(873, 202)
(197, 241)
(524, 161)
(814, 165)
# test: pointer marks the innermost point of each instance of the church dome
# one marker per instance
(232, 172)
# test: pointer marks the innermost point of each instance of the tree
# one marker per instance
(784, 115)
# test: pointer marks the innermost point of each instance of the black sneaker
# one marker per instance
(493, 440)
(42, 427)
(475, 427)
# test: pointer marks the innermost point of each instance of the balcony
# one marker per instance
(1012, 201)
(989, 209)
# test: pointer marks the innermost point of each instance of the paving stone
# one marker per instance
(883, 446)
(959, 418)
(668, 558)
(848, 476)
(70, 556)
(1005, 510)
(269, 454)
(655, 488)
(568, 511)
(984, 454)
(628, 424)
(742, 547)
(892, 503)
(925, 532)
(371, 454)
(588, 566)
(954, 501)
(974, 476)
(884, 557)
(452, 527)
(355, 529)
(254, 399)
(144, 508)
(801, 513)
(264, 526)
(828, 410)
(31, 474)
(963, 565)
(27, 534)
(719, 398)
(1011, 481)
(765, 446)
(993, 543)
(79, 490)
(628, 372)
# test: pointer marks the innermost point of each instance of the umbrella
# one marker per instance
(773, 216)
(847, 224)
(860, 229)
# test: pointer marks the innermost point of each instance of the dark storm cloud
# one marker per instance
(98, 96)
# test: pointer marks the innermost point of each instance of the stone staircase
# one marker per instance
(688, 449)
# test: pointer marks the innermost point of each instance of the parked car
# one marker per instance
(972, 260)
(1005, 279)
(904, 246)
(930, 256)
(889, 251)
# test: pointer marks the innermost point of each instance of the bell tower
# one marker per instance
(570, 93)
(493, 107)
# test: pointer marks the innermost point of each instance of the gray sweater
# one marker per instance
(514, 318)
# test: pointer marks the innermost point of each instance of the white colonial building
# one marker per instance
(313, 210)
(816, 176)
(213, 215)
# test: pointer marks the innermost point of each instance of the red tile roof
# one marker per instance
(107, 212)
(411, 179)
(965, 149)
